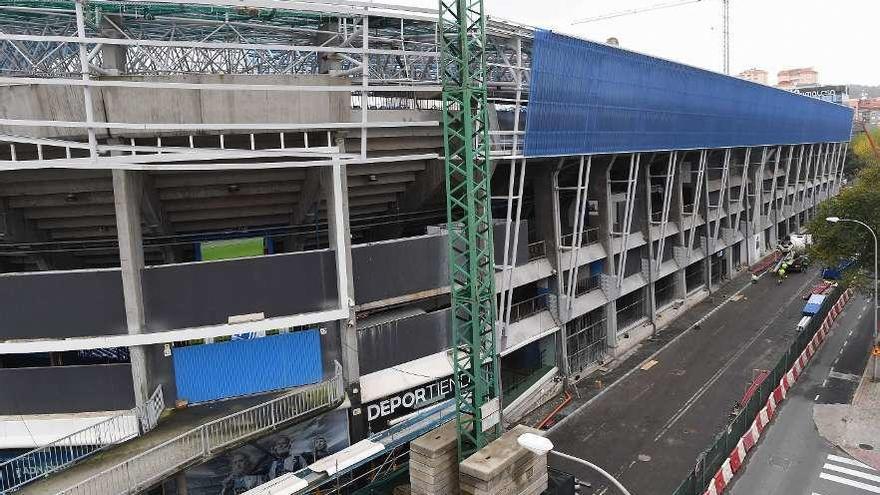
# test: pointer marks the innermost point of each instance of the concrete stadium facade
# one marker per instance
(124, 150)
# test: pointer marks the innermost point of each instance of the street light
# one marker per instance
(543, 446)
(863, 224)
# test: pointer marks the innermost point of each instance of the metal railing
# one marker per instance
(585, 285)
(587, 345)
(537, 250)
(145, 469)
(711, 459)
(588, 236)
(529, 307)
(66, 451)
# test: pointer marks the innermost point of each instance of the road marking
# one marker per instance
(650, 364)
(706, 386)
(849, 482)
(851, 462)
(652, 356)
(844, 376)
(852, 472)
(824, 383)
(816, 398)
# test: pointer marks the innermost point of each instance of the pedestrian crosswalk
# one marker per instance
(845, 476)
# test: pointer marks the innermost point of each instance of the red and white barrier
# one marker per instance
(737, 458)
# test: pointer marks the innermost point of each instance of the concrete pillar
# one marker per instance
(708, 240)
(113, 57)
(180, 484)
(347, 328)
(127, 191)
(611, 324)
(648, 267)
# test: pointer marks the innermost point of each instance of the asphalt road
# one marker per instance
(791, 458)
(649, 427)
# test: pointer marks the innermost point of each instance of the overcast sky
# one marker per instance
(837, 37)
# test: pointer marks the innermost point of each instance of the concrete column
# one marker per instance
(127, 191)
(611, 324)
(648, 267)
(548, 224)
(113, 57)
(347, 328)
(708, 240)
(180, 484)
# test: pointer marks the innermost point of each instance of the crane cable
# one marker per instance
(634, 11)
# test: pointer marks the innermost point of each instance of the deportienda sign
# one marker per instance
(380, 412)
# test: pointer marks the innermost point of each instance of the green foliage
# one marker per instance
(861, 155)
(834, 242)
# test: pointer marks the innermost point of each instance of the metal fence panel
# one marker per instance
(710, 461)
(588, 97)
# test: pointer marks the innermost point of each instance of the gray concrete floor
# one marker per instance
(791, 457)
(649, 427)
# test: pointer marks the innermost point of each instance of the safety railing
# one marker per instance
(147, 468)
(537, 250)
(66, 451)
(587, 284)
(588, 236)
(711, 459)
(529, 307)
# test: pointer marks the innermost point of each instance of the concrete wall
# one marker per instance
(208, 293)
(399, 341)
(61, 304)
(66, 389)
(137, 105)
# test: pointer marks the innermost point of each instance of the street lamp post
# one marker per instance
(543, 446)
(875, 333)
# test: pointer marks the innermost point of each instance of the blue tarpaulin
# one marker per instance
(588, 98)
(814, 304)
(241, 367)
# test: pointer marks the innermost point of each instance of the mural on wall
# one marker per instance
(255, 463)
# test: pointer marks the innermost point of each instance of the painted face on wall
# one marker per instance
(281, 447)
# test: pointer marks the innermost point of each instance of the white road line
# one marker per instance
(742, 350)
(817, 397)
(825, 382)
(652, 356)
(852, 472)
(849, 482)
(851, 462)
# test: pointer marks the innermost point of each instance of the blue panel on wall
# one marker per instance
(589, 97)
(231, 369)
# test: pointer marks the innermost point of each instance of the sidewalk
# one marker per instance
(855, 427)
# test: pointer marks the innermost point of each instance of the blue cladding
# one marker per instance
(231, 369)
(591, 98)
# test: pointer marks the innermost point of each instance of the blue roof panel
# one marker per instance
(588, 97)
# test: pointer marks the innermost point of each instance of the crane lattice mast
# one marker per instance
(462, 36)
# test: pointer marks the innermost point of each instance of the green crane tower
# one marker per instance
(462, 70)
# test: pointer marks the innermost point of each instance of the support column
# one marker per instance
(648, 267)
(127, 190)
(347, 328)
(180, 483)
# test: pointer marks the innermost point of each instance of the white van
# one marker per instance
(802, 325)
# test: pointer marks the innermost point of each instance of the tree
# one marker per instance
(860, 154)
(835, 242)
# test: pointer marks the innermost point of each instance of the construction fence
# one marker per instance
(710, 460)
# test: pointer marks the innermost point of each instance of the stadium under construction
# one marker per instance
(241, 207)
